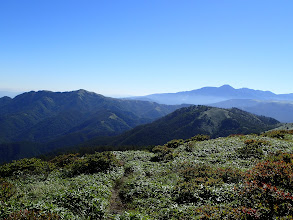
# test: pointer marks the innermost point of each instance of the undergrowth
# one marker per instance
(238, 177)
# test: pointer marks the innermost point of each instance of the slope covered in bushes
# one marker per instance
(237, 177)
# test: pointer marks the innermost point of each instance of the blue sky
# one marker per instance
(138, 47)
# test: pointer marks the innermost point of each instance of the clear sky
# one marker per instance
(139, 47)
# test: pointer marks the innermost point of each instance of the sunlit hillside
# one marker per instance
(237, 177)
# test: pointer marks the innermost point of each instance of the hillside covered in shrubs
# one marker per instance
(236, 177)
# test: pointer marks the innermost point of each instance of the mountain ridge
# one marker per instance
(61, 111)
(47, 121)
(280, 110)
(187, 122)
(208, 95)
(267, 103)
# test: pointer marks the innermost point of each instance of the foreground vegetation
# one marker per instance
(237, 177)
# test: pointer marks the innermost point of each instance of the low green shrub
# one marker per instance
(174, 143)
(236, 135)
(199, 137)
(280, 156)
(7, 190)
(280, 134)
(226, 174)
(277, 172)
(265, 201)
(33, 215)
(218, 212)
(252, 148)
(64, 160)
(133, 215)
(197, 182)
(93, 163)
(162, 153)
(268, 188)
(25, 166)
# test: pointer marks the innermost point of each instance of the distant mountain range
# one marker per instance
(255, 101)
(208, 95)
(280, 110)
(10, 94)
(35, 123)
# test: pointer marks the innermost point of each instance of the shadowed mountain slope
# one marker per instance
(43, 116)
(190, 121)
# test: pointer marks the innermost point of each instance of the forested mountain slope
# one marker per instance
(44, 115)
(39, 122)
(189, 121)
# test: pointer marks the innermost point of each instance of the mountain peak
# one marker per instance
(226, 86)
(82, 91)
(209, 95)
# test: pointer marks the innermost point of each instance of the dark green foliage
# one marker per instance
(268, 188)
(165, 152)
(252, 148)
(174, 143)
(80, 150)
(33, 215)
(280, 134)
(200, 173)
(199, 137)
(81, 204)
(89, 164)
(7, 190)
(65, 160)
(197, 180)
(19, 150)
(280, 156)
(275, 134)
(162, 153)
(209, 181)
(177, 143)
(218, 212)
(5, 100)
(236, 135)
(25, 166)
(276, 171)
(67, 119)
(187, 122)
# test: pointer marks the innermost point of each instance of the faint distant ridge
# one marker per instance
(10, 94)
(280, 110)
(258, 102)
(208, 95)
(229, 92)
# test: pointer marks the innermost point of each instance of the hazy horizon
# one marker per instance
(13, 93)
(128, 48)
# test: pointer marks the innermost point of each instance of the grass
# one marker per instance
(225, 178)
